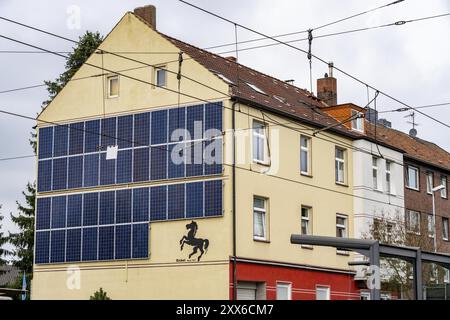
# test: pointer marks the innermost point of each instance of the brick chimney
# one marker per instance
(327, 87)
(147, 13)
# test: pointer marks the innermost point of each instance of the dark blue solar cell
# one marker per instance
(74, 210)
(59, 212)
(140, 204)
(123, 242)
(42, 247)
(213, 198)
(213, 116)
(43, 213)
(194, 122)
(73, 245)
(140, 241)
(159, 127)
(107, 170)
(90, 209)
(176, 160)
(175, 201)
(108, 129)
(106, 243)
(59, 174)
(123, 206)
(194, 159)
(158, 203)
(124, 131)
(58, 246)
(213, 157)
(60, 141)
(140, 164)
(158, 162)
(107, 205)
(124, 166)
(44, 175)
(76, 136)
(92, 136)
(90, 242)
(91, 163)
(177, 124)
(45, 142)
(75, 174)
(142, 129)
(194, 200)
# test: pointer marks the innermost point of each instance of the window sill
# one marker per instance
(113, 97)
(413, 232)
(261, 163)
(307, 246)
(412, 189)
(261, 240)
(341, 184)
(305, 174)
(342, 253)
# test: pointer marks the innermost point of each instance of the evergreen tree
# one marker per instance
(3, 241)
(100, 295)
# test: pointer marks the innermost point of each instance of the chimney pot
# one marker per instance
(147, 13)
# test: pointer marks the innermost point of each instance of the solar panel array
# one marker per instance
(74, 155)
(114, 224)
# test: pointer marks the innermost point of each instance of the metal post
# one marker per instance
(434, 222)
(418, 275)
(375, 265)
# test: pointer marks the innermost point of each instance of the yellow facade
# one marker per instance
(165, 275)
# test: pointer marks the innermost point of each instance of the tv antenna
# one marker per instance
(413, 131)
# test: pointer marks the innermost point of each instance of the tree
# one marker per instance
(23, 241)
(3, 241)
(100, 295)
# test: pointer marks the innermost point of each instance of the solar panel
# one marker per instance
(59, 212)
(194, 159)
(58, 246)
(124, 166)
(75, 172)
(123, 206)
(76, 136)
(141, 164)
(176, 160)
(194, 200)
(213, 116)
(142, 129)
(159, 127)
(213, 157)
(73, 245)
(123, 242)
(177, 124)
(91, 165)
(42, 247)
(106, 243)
(74, 210)
(92, 136)
(158, 203)
(59, 175)
(140, 204)
(45, 142)
(158, 163)
(44, 175)
(124, 131)
(213, 198)
(194, 122)
(108, 130)
(140, 241)
(60, 141)
(175, 201)
(90, 209)
(107, 170)
(90, 244)
(43, 213)
(107, 207)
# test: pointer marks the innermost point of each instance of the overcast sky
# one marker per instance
(410, 62)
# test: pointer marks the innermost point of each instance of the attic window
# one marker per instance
(221, 76)
(357, 121)
(280, 99)
(256, 88)
(113, 86)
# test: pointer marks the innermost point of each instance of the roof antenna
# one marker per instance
(413, 131)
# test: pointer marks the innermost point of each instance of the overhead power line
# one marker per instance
(419, 107)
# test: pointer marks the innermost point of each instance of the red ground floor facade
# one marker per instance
(273, 280)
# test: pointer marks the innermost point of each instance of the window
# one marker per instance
(259, 142)
(113, 86)
(161, 76)
(413, 221)
(375, 173)
(284, 291)
(388, 176)
(445, 229)
(357, 121)
(251, 290)
(341, 226)
(256, 88)
(444, 183)
(429, 182)
(305, 161)
(412, 178)
(259, 218)
(365, 295)
(306, 221)
(340, 165)
(322, 293)
(447, 276)
(430, 225)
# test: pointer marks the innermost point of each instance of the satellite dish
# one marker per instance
(413, 133)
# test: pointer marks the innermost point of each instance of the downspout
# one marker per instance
(234, 200)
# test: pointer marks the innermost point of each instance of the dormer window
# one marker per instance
(357, 121)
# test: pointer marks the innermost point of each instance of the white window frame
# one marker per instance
(430, 225)
(365, 294)
(325, 289)
(306, 150)
(446, 276)
(430, 183)
(445, 228)
(408, 182)
(263, 212)
(161, 68)
(342, 226)
(375, 183)
(339, 161)
(308, 220)
(409, 224)
(389, 176)
(255, 137)
(357, 123)
(444, 191)
(284, 285)
(108, 86)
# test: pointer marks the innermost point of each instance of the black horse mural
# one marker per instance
(196, 243)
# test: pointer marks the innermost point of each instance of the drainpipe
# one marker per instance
(234, 200)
